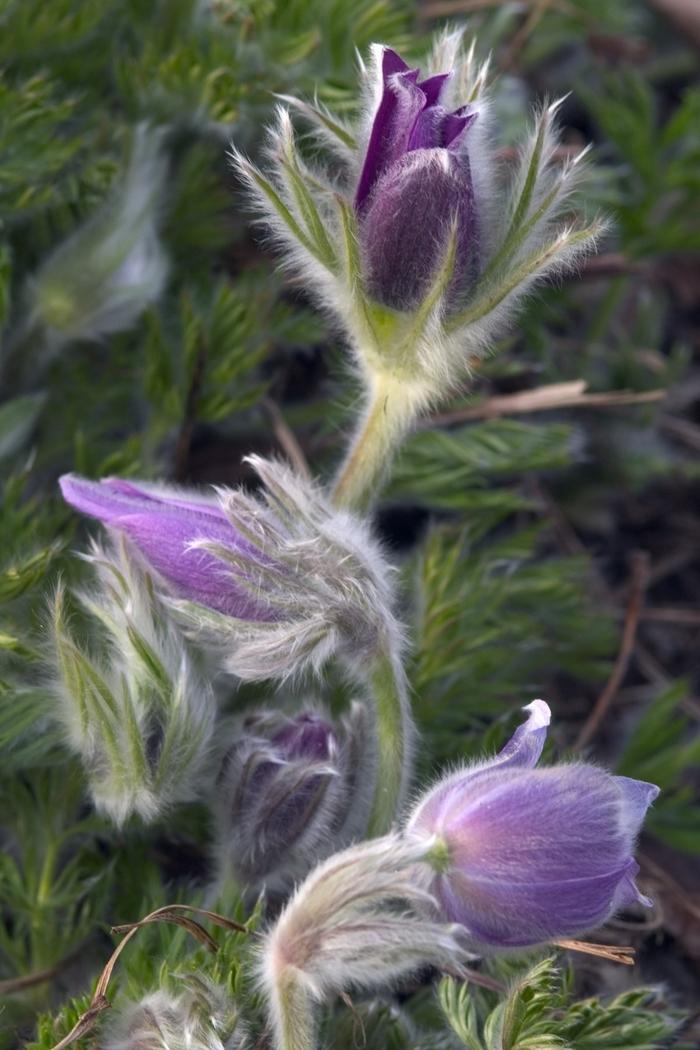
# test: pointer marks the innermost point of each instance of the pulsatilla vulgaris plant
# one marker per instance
(420, 247)
(423, 255)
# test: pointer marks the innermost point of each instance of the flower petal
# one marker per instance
(525, 746)
(402, 100)
(637, 796)
(509, 914)
(163, 531)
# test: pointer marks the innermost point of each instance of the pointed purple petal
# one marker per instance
(525, 746)
(393, 63)
(454, 126)
(637, 796)
(432, 88)
(628, 892)
(402, 101)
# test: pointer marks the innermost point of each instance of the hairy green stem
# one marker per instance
(292, 1011)
(394, 739)
(392, 408)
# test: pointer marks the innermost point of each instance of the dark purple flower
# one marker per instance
(415, 187)
(525, 855)
(163, 526)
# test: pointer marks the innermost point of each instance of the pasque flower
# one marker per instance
(522, 855)
(272, 582)
(291, 791)
(419, 244)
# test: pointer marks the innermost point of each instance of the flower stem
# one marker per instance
(292, 1012)
(391, 410)
(394, 738)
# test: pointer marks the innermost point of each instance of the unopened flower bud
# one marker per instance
(522, 856)
(359, 920)
(291, 791)
(142, 718)
(273, 583)
(415, 190)
(201, 1017)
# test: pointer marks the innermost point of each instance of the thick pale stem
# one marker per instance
(292, 1012)
(394, 741)
(391, 410)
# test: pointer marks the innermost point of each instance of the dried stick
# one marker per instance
(640, 578)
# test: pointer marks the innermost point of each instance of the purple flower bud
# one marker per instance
(415, 188)
(284, 794)
(163, 525)
(525, 855)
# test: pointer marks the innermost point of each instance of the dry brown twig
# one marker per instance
(638, 587)
(545, 398)
(619, 954)
(286, 438)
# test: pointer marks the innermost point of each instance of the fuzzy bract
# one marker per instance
(201, 1016)
(524, 855)
(360, 919)
(142, 717)
(271, 583)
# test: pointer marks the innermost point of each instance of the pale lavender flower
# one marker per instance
(523, 856)
(272, 582)
(164, 524)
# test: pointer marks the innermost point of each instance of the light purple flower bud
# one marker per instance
(272, 583)
(414, 189)
(525, 855)
(162, 526)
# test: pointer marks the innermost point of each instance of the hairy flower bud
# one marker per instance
(415, 190)
(358, 920)
(272, 583)
(141, 719)
(291, 791)
(415, 238)
(201, 1017)
(521, 855)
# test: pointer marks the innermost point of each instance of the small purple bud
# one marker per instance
(306, 736)
(163, 526)
(282, 796)
(523, 855)
(414, 189)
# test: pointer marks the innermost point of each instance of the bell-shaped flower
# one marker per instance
(272, 582)
(291, 791)
(523, 856)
